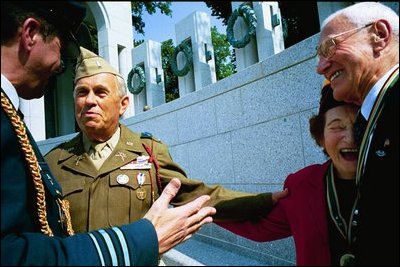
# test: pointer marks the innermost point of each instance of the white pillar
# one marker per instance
(269, 35)
(269, 32)
(148, 56)
(197, 28)
(247, 55)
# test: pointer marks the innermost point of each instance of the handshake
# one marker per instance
(175, 225)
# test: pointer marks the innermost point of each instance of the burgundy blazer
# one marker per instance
(302, 214)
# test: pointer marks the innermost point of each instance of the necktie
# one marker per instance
(359, 128)
(96, 151)
(99, 153)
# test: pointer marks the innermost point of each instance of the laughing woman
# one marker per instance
(317, 210)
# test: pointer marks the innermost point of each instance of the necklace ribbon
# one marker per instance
(344, 227)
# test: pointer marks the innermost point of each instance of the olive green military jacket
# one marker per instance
(113, 196)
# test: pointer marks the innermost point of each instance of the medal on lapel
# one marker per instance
(347, 260)
(140, 191)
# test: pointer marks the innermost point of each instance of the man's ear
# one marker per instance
(29, 33)
(124, 105)
(382, 35)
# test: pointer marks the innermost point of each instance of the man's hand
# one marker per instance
(278, 195)
(175, 225)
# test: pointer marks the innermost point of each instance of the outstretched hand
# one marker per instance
(278, 195)
(175, 225)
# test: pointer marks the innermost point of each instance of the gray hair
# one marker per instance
(121, 86)
(363, 13)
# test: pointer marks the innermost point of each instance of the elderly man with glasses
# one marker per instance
(359, 54)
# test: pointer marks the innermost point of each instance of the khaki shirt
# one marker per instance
(112, 196)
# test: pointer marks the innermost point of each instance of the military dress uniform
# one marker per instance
(131, 179)
(22, 240)
(377, 229)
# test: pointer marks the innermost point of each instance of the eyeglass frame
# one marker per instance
(333, 42)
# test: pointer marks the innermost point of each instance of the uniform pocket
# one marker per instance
(71, 186)
(127, 201)
(73, 191)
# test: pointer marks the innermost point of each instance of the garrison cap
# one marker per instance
(66, 16)
(90, 64)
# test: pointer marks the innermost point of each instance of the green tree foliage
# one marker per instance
(220, 9)
(151, 7)
(170, 79)
(93, 33)
(222, 53)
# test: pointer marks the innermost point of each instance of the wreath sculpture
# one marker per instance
(142, 80)
(249, 17)
(187, 51)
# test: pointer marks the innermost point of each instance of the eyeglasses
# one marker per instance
(328, 47)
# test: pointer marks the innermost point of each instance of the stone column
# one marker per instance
(197, 28)
(247, 55)
(269, 34)
(148, 56)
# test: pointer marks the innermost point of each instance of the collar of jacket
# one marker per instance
(74, 155)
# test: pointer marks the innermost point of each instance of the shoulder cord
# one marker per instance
(154, 160)
(34, 167)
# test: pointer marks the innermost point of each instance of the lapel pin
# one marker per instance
(122, 155)
(380, 153)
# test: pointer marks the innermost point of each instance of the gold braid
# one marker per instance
(34, 167)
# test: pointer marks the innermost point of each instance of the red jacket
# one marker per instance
(302, 214)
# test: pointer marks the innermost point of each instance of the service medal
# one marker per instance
(122, 179)
(141, 193)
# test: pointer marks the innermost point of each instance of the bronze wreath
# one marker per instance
(249, 17)
(187, 51)
(142, 80)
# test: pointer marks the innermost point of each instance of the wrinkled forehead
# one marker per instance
(337, 25)
(104, 79)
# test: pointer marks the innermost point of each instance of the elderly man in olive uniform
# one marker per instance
(111, 175)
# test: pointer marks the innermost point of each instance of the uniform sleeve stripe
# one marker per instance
(124, 245)
(103, 247)
(96, 244)
(117, 245)
(110, 247)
